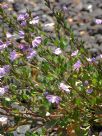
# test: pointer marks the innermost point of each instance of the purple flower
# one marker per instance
(13, 55)
(32, 53)
(7, 43)
(53, 99)
(91, 59)
(23, 23)
(2, 45)
(46, 93)
(4, 6)
(3, 90)
(86, 83)
(75, 53)
(4, 70)
(34, 21)
(36, 41)
(64, 87)
(57, 51)
(89, 91)
(23, 47)
(77, 65)
(98, 21)
(23, 16)
(65, 8)
(21, 34)
(8, 35)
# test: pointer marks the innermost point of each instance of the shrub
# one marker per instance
(54, 79)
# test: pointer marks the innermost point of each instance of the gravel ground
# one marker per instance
(80, 14)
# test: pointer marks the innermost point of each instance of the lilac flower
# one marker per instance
(57, 51)
(64, 87)
(23, 47)
(32, 53)
(13, 55)
(2, 45)
(86, 83)
(36, 41)
(75, 53)
(23, 16)
(100, 55)
(34, 21)
(89, 91)
(4, 70)
(91, 59)
(4, 6)
(7, 43)
(77, 65)
(3, 120)
(46, 93)
(3, 90)
(23, 23)
(53, 99)
(65, 8)
(8, 35)
(98, 21)
(21, 34)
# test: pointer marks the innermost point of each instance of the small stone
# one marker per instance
(48, 27)
(3, 120)
(39, 122)
(82, 32)
(70, 20)
(23, 129)
(1, 135)
(100, 134)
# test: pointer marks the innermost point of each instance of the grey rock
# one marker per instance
(87, 7)
(1, 1)
(17, 6)
(16, 106)
(98, 39)
(3, 111)
(94, 30)
(39, 122)
(47, 18)
(100, 134)
(96, 12)
(23, 129)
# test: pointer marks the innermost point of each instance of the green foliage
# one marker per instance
(30, 81)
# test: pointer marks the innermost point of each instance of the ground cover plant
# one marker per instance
(54, 79)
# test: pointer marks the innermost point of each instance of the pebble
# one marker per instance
(23, 129)
(100, 134)
(1, 1)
